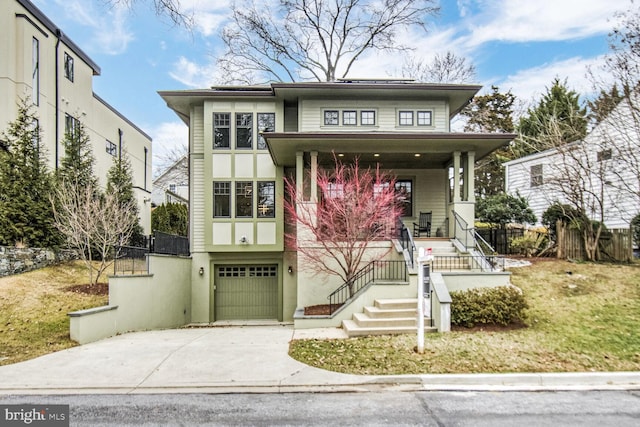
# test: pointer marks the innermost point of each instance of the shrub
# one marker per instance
(635, 229)
(500, 305)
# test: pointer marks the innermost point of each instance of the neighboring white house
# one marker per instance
(172, 186)
(608, 151)
(40, 62)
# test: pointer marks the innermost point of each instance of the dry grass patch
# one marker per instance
(582, 317)
(34, 307)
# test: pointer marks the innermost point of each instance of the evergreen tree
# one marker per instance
(560, 105)
(502, 209)
(172, 218)
(76, 166)
(120, 183)
(491, 113)
(604, 104)
(25, 184)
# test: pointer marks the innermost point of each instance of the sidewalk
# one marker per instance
(239, 359)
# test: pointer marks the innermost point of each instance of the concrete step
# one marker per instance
(396, 303)
(353, 330)
(364, 321)
(378, 313)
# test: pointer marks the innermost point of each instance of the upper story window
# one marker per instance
(111, 148)
(367, 118)
(68, 66)
(221, 199)
(71, 125)
(349, 118)
(244, 130)
(266, 199)
(604, 155)
(536, 176)
(331, 117)
(244, 199)
(173, 188)
(266, 123)
(424, 118)
(405, 118)
(221, 130)
(35, 71)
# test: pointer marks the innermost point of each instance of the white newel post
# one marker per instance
(423, 259)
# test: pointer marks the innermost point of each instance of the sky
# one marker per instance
(517, 45)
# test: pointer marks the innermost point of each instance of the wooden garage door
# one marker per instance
(246, 292)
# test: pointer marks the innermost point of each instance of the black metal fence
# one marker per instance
(133, 259)
(500, 238)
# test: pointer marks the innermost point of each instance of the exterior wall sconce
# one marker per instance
(290, 270)
(201, 271)
(244, 240)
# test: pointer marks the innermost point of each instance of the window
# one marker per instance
(424, 118)
(266, 123)
(405, 118)
(244, 199)
(536, 176)
(266, 199)
(331, 117)
(172, 188)
(68, 66)
(35, 71)
(367, 118)
(221, 126)
(111, 148)
(405, 196)
(221, 199)
(604, 155)
(349, 118)
(244, 130)
(71, 125)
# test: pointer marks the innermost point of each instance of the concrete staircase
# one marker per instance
(446, 257)
(386, 317)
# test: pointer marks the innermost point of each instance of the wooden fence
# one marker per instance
(614, 245)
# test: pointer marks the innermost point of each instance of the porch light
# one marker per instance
(340, 154)
(417, 155)
(290, 270)
(376, 154)
(201, 271)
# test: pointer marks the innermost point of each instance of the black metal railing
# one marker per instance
(406, 241)
(467, 263)
(130, 260)
(169, 244)
(376, 271)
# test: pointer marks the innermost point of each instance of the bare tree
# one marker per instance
(443, 68)
(93, 224)
(170, 8)
(313, 39)
(357, 208)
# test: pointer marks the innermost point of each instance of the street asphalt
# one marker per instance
(245, 359)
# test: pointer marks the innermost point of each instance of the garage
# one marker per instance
(246, 292)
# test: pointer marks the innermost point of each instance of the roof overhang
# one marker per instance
(391, 150)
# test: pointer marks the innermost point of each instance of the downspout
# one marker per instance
(57, 103)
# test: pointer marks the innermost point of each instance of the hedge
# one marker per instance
(501, 305)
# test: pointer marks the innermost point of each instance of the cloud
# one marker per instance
(194, 75)
(541, 20)
(208, 16)
(111, 34)
(530, 84)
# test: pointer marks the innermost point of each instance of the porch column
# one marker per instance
(314, 176)
(456, 176)
(470, 178)
(299, 176)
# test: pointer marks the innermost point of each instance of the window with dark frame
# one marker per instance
(405, 118)
(405, 196)
(266, 123)
(266, 199)
(71, 125)
(68, 66)
(604, 155)
(111, 148)
(423, 118)
(221, 199)
(244, 130)
(221, 130)
(244, 199)
(331, 118)
(35, 71)
(349, 118)
(536, 176)
(367, 118)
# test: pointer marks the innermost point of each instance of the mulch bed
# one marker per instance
(89, 289)
(318, 310)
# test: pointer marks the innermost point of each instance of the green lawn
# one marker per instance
(582, 317)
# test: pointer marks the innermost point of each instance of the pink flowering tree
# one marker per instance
(356, 208)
